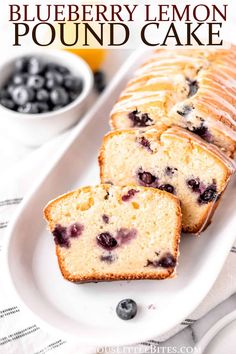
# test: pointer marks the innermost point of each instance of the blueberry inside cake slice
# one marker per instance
(169, 159)
(112, 233)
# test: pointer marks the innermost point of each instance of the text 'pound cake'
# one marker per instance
(194, 89)
(114, 233)
(170, 159)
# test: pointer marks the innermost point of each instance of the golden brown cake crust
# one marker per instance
(109, 276)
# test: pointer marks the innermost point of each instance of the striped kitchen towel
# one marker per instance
(19, 332)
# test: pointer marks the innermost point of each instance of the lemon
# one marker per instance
(92, 55)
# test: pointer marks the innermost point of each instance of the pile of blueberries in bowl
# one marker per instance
(36, 86)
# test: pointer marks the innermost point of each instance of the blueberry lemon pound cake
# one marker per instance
(111, 233)
(190, 88)
(170, 159)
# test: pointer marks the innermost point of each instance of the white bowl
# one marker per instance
(35, 129)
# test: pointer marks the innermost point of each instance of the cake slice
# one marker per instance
(115, 233)
(171, 159)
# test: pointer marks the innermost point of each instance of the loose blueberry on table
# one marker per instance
(39, 87)
(99, 81)
(126, 309)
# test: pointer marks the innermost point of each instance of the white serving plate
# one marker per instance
(86, 312)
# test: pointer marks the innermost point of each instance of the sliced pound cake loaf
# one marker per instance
(191, 88)
(114, 233)
(169, 159)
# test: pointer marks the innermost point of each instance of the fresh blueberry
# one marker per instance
(73, 83)
(22, 95)
(167, 187)
(99, 81)
(43, 107)
(140, 119)
(56, 67)
(194, 184)
(100, 87)
(35, 66)
(35, 87)
(51, 74)
(42, 95)
(126, 309)
(106, 241)
(51, 67)
(62, 70)
(19, 79)
(99, 76)
(55, 108)
(29, 108)
(10, 89)
(130, 194)
(60, 236)
(75, 230)
(8, 103)
(73, 96)
(35, 81)
(53, 79)
(59, 96)
(51, 84)
(208, 195)
(4, 94)
(21, 64)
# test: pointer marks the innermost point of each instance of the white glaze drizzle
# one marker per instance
(217, 99)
